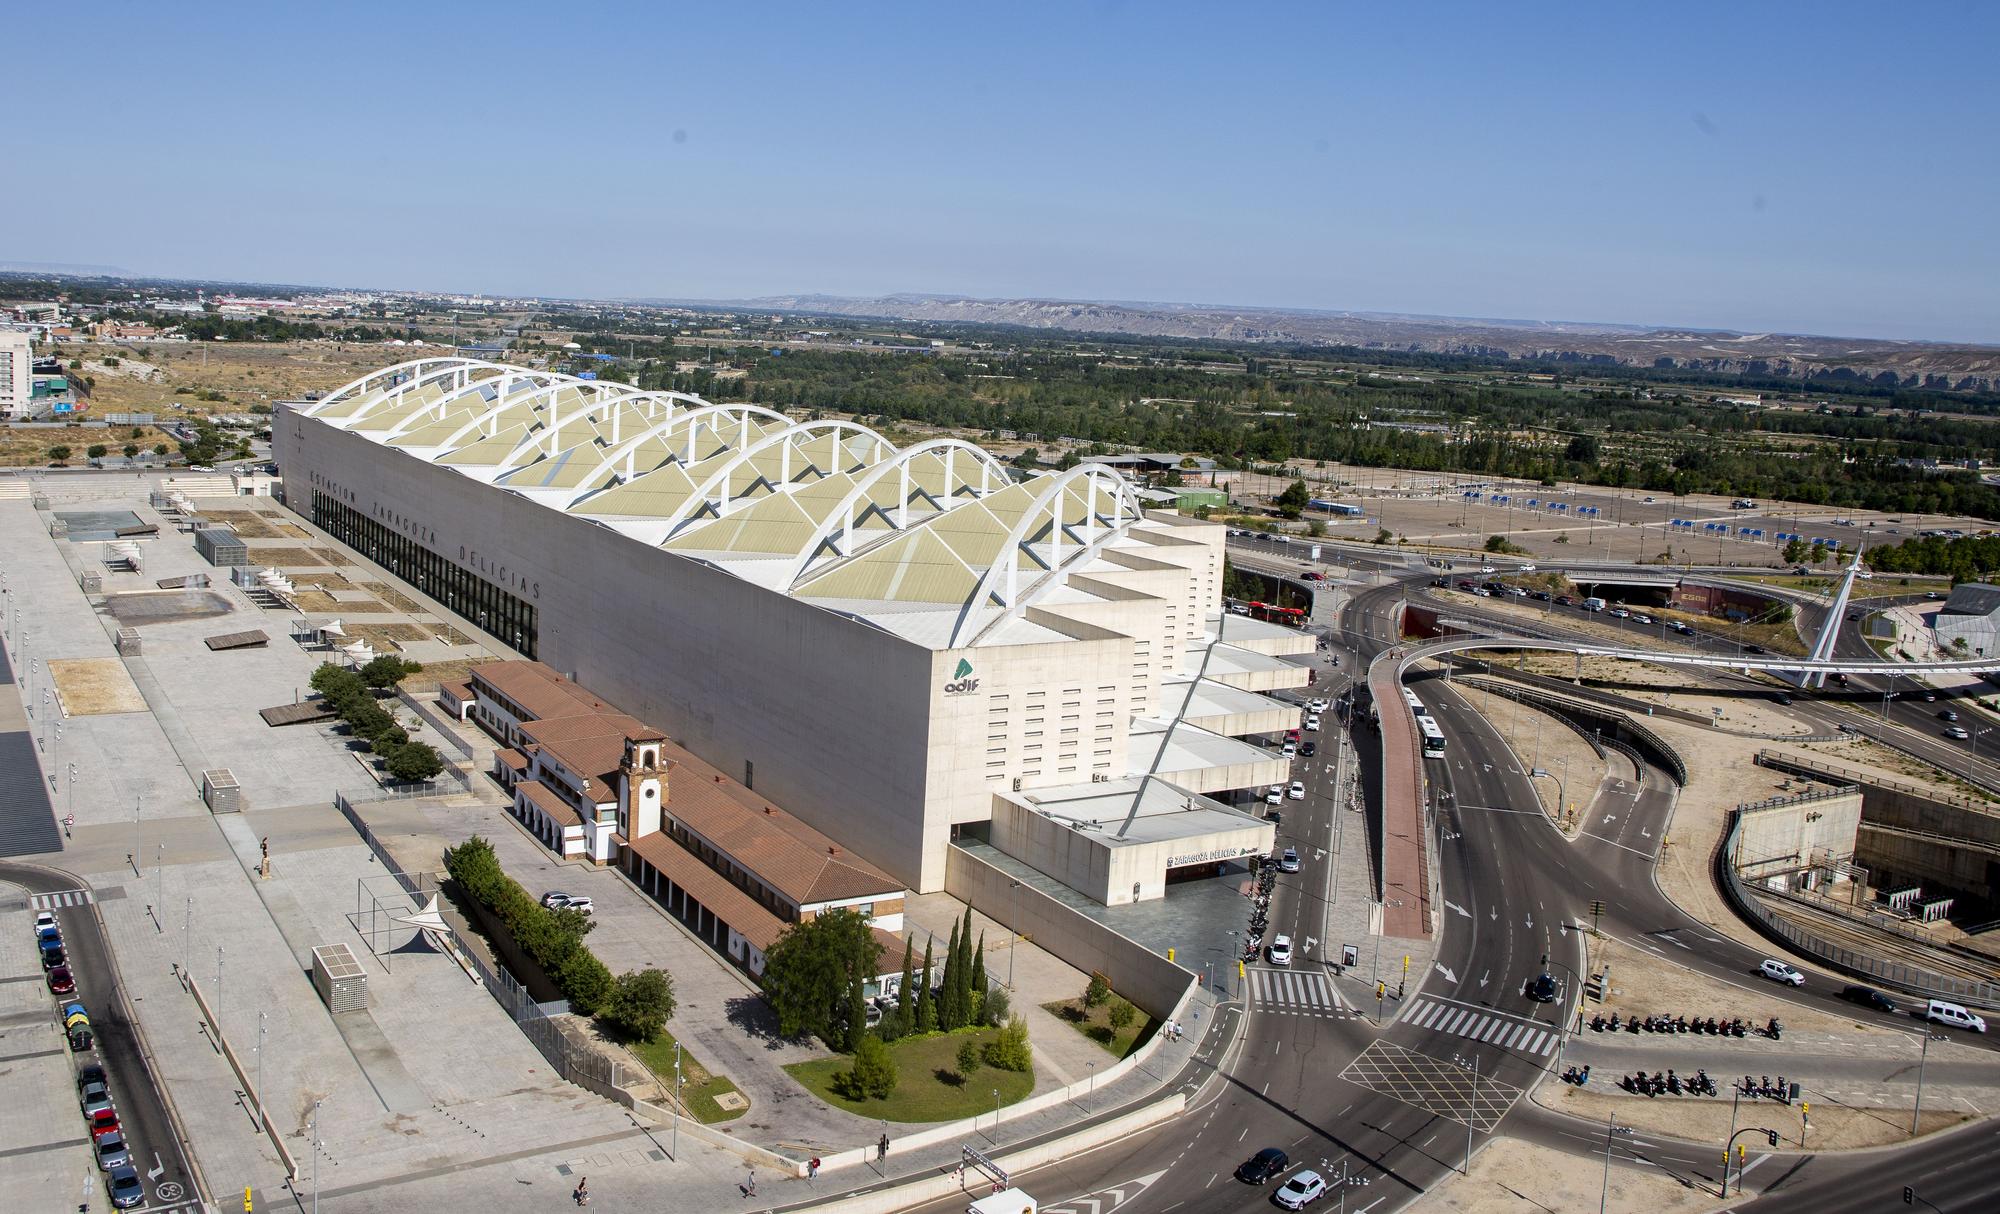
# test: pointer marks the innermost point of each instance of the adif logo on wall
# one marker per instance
(961, 679)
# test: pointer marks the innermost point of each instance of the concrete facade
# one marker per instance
(1790, 835)
(1972, 616)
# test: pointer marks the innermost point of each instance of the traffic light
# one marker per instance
(1772, 1134)
(1909, 1196)
(1381, 990)
(1805, 1107)
(247, 1207)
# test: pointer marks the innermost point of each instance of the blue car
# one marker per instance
(53, 955)
(126, 1191)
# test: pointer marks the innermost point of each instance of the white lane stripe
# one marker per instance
(1550, 1048)
(1531, 1041)
(1499, 1026)
(1449, 1024)
(1472, 1029)
(1514, 1036)
(1426, 1011)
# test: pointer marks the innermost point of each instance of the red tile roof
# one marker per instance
(513, 759)
(744, 914)
(544, 798)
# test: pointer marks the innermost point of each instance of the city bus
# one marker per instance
(1433, 738)
(1417, 708)
(1271, 612)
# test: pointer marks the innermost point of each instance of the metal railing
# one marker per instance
(1909, 978)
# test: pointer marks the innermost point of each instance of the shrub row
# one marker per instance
(552, 939)
(352, 696)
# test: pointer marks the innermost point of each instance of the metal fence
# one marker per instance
(572, 1060)
(1910, 978)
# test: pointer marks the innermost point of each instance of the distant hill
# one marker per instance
(1889, 363)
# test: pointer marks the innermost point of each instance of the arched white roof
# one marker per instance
(827, 511)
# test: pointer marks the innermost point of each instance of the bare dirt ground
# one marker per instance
(30, 448)
(1514, 1177)
(433, 673)
(92, 687)
(286, 558)
(244, 374)
(395, 598)
(1644, 982)
(1707, 1119)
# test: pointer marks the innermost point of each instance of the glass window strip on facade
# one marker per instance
(470, 596)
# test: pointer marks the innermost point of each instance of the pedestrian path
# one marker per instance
(1296, 994)
(60, 899)
(1480, 1024)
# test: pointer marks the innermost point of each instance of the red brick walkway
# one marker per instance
(1406, 876)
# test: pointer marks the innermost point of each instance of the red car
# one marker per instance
(60, 981)
(103, 1122)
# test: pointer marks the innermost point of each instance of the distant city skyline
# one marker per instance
(1746, 168)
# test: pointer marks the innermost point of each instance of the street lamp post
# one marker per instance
(260, 1070)
(315, 1150)
(1013, 927)
(1604, 1191)
(1918, 1111)
(1561, 795)
(1470, 1113)
(677, 1102)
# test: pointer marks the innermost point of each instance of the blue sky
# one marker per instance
(1822, 168)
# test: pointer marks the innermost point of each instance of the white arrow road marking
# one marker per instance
(1448, 975)
(1493, 913)
(1457, 909)
(1482, 977)
(1531, 922)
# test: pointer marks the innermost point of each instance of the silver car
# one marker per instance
(112, 1152)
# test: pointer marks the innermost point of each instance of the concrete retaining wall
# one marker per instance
(1152, 983)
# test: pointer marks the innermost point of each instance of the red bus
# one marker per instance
(1294, 616)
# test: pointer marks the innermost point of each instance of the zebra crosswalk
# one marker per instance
(59, 899)
(1478, 1024)
(1296, 994)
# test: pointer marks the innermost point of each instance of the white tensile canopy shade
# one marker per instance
(332, 628)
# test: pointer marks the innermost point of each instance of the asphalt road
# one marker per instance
(141, 1110)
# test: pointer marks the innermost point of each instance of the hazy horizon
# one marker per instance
(1457, 162)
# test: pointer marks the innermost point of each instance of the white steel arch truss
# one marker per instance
(1002, 579)
(850, 512)
(706, 495)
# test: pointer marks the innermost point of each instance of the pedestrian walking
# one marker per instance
(812, 1168)
(882, 1148)
(750, 1184)
(582, 1194)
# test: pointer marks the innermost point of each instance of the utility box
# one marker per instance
(341, 982)
(220, 793)
(221, 547)
(93, 581)
(128, 642)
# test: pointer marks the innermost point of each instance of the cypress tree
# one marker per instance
(927, 1017)
(965, 971)
(948, 1001)
(906, 994)
(976, 1001)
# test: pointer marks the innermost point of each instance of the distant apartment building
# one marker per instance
(17, 385)
(119, 330)
(36, 313)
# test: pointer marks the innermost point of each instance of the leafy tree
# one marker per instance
(856, 1013)
(389, 741)
(58, 453)
(1010, 1051)
(998, 1006)
(386, 670)
(1384, 535)
(1097, 992)
(1818, 552)
(366, 719)
(159, 448)
(131, 450)
(809, 974)
(1292, 502)
(641, 1004)
(1582, 450)
(414, 762)
(1119, 1016)
(1795, 551)
(873, 1073)
(904, 1019)
(968, 1057)
(1316, 529)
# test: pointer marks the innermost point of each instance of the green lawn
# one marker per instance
(699, 1086)
(1881, 586)
(928, 1086)
(1094, 1023)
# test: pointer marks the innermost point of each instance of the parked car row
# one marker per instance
(93, 1086)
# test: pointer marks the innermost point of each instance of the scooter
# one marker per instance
(1774, 1030)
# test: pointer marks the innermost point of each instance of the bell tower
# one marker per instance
(642, 779)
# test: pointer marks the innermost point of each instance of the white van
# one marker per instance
(1592, 604)
(1955, 1016)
